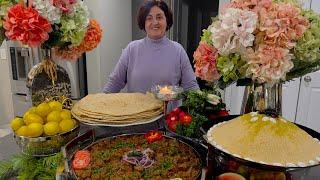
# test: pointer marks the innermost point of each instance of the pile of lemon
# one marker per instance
(46, 119)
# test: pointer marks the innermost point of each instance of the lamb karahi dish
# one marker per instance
(148, 156)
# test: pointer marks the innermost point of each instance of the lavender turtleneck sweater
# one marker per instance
(147, 62)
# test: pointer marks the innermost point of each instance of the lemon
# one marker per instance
(16, 123)
(33, 118)
(74, 121)
(51, 128)
(66, 125)
(30, 110)
(22, 131)
(55, 105)
(43, 109)
(65, 114)
(54, 116)
(35, 129)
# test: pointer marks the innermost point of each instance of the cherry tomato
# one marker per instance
(186, 119)
(173, 125)
(176, 111)
(81, 159)
(153, 136)
(181, 114)
(223, 112)
(174, 118)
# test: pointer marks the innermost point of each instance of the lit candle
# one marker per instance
(165, 90)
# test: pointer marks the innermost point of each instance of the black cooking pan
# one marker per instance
(88, 139)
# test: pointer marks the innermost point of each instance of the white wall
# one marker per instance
(115, 18)
(6, 108)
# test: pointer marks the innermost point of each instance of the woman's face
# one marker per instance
(156, 23)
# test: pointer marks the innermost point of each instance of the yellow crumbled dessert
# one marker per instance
(260, 138)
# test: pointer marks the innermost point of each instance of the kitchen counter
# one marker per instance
(8, 147)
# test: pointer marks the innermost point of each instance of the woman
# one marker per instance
(154, 60)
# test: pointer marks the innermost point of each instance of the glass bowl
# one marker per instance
(166, 92)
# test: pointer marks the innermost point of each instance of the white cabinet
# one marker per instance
(308, 110)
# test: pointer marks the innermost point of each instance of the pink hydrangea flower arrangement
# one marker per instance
(263, 40)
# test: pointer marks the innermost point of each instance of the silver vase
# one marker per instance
(264, 98)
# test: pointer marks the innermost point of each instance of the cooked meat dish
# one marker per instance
(164, 159)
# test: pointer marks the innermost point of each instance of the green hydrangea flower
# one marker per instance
(295, 2)
(74, 25)
(206, 34)
(231, 67)
(307, 48)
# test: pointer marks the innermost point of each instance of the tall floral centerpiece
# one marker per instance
(61, 28)
(264, 41)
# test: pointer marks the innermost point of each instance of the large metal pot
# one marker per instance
(220, 162)
(88, 139)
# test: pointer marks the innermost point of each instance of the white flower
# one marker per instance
(47, 10)
(233, 32)
(213, 99)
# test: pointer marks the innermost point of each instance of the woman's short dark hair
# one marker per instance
(145, 10)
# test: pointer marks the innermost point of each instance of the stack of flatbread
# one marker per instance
(117, 108)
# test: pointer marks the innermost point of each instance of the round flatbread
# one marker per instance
(117, 108)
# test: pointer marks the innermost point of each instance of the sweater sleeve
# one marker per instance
(118, 78)
(188, 78)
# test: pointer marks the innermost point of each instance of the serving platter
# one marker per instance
(124, 125)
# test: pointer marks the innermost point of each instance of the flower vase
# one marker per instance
(47, 79)
(263, 98)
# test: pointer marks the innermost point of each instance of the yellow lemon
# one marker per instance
(55, 105)
(74, 121)
(65, 114)
(22, 131)
(33, 118)
(30, 110)
(51, 128)
(54, 116)
(16, 123)
(66, 125)
(43, 109)
(35, 129)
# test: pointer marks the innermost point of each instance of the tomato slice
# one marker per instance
(82, 153)
(81, 159)
(153, 136)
